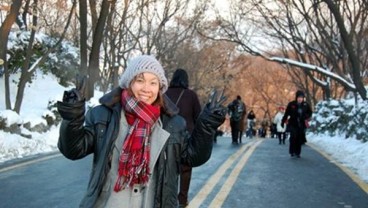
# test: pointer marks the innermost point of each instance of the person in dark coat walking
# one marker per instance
(298, 112)
(137, 138)
(189, 108)
(237, 112)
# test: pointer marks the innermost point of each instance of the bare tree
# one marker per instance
(262, 85)
(163, 25)
(83, 13)
(4, 36)
(30, 67)
(119, 42)
(306, 31)
(146, 27)
(94, 57)
(206, 62)
(351, 40)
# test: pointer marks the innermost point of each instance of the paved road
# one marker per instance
(269, 177)
(257, 173)
(52, 183)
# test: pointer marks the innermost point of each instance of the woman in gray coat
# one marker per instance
(137, 139)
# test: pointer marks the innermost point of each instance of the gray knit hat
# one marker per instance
(140, 64)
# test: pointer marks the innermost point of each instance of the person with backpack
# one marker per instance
(237, 113)
(189, 108)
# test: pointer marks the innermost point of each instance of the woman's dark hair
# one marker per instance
(179, 79)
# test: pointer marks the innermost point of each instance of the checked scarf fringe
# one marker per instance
(135, 154)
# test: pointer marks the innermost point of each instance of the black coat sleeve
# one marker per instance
(198, 147)
(286, 114)
(76, 140)
(308, 111)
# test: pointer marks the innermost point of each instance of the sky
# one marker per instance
(351, 153)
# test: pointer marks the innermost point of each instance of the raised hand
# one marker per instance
(76, 94)
(215, 102)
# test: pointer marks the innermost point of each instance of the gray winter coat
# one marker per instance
(100, 131)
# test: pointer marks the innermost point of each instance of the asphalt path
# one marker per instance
(256, 173)
(269, 177)
(54, 182)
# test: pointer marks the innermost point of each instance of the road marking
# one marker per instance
(22, 164)
(230, 181)
(363, 185)
(215, 178)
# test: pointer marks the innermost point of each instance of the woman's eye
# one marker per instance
(139, 80)
(154, 83)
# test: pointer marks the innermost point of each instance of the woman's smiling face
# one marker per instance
(145, 87)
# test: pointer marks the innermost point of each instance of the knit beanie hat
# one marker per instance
(141, 64)
(299, 93)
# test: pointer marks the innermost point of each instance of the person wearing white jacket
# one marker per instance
(281, 135)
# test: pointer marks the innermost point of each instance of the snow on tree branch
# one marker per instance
(35, 65)
(318, 69)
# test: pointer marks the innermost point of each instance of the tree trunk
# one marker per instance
(83, 36)
(27, 72)
(4, 36)
(25, 76)
(348, 43)
(94, 58)
(24, 15)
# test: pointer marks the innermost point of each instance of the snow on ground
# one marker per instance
(351, 153)
(36, 97)
(13, 146)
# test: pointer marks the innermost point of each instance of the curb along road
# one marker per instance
(20, 162)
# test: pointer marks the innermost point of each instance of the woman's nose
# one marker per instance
(145, 87)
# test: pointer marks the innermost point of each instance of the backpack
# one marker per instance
(237, 110)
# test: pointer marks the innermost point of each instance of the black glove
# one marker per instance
(76, 94)
(73, 105)
(282, 124)
(215, 102)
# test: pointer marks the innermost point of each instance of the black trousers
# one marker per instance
(185, 176)
(282, 137)
(235, 130)
(296, 140)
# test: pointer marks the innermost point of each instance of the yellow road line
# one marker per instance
(29, 162)
(363, 185)
(215, 178)
(229, 183)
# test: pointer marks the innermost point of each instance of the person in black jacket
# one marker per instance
(137, 138)
(189, 108)
(237, 112)
(296, 114)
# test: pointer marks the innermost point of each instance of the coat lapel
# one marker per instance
(160, 136)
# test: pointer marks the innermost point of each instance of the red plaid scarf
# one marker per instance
(135, 155)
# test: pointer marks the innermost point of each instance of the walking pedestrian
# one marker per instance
(251, 121)
(189, 108)
(280, 131)
(298, 111)
(237, 111)
(137, 138)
